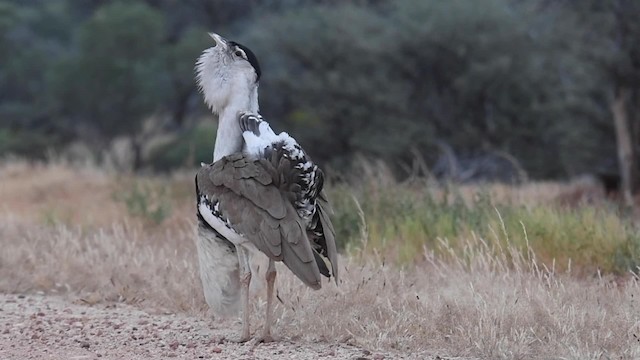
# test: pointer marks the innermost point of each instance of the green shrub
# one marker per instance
(188, 149)
(146, 201)
(403, 222)
(29, 144)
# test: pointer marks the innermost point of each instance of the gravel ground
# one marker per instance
(51, 327)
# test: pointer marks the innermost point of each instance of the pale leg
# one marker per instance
(271, 279)
(245, 280)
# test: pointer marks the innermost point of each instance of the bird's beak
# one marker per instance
(219, 40)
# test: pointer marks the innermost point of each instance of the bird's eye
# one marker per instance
(240, 53)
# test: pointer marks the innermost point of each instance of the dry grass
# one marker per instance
(62, 230)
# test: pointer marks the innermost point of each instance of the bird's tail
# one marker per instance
(219, 272)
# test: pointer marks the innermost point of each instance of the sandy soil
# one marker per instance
(50, 327)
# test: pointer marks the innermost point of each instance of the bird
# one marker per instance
(261, 196)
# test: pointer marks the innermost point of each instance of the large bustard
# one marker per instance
(261, 195)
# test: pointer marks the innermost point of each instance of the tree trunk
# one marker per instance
(137, 154)
(626, 154)
(180, 109)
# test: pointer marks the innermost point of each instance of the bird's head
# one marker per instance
(227, 72)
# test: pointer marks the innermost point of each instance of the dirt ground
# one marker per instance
(52, 327)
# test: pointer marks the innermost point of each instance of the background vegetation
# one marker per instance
(491, 90)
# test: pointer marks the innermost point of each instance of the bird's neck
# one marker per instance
(229, 136)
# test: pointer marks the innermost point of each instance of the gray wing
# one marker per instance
(253, 199)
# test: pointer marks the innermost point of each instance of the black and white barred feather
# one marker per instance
(260, 141)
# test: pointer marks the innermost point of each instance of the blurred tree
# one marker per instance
(478, 77)
(322, 72)
(608, 38)
(472, 75)
(189, 148)
(32, 40)
(530, 82)
(118, 76)
(180, 59)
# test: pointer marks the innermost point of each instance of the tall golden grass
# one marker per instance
(454, 271)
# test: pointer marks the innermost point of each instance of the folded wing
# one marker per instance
(270, 197)
(246, 201)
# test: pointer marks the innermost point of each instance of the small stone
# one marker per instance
(366, 352)
(85, 345)
(174, 345)
(216, 350)
(191, 345)
(378, 357)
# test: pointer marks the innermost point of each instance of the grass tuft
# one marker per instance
(403, 219)
(146, 201)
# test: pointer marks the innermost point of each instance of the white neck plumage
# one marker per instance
(229, 136)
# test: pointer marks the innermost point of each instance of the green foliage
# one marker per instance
(346, 219)
(54, 217)
(403, 221)
(386, 79)
(21, 68)
(146, 201)
(328, 62)
(593, 238)
(188, 149)
(31, 144)
(117, 77)
(180, 58)
(464, 72)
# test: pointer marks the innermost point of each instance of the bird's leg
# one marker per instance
(245, 280)
(271, 279)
